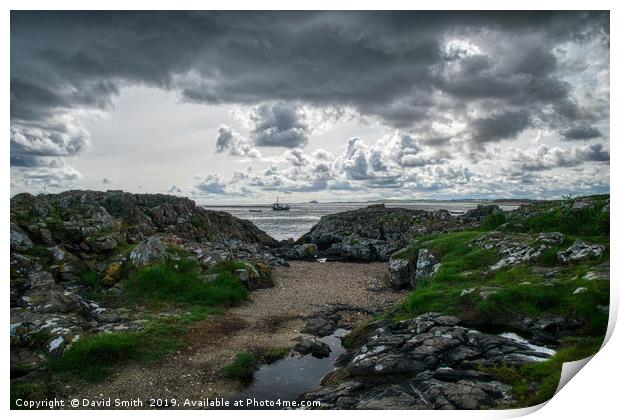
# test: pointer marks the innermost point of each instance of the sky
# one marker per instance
(233, 107)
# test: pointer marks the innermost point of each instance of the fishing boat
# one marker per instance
(277, 206)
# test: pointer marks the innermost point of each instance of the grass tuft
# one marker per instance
(494, 220)
(274, 354)
(178, 282)
(94, 357)
(242, 367)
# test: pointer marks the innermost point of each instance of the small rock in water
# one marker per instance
(308, 345)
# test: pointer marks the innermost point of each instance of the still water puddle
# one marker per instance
(290, 377)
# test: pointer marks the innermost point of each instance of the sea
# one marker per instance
(302, 216)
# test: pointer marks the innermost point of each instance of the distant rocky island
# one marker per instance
(104, 283)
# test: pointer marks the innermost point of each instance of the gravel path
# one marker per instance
(273, 319)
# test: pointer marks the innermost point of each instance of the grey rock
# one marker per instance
(551, 238)
(597, 275)
(19, 240)
(309, 345)
(208, 278)
(580, 250)
(147, 252)
(480, 213)
(400, 273)
(103, 243)
(425, 264)
(375, 232)
(579, 205)
(320, 326)
(428, 362)
(243, 276)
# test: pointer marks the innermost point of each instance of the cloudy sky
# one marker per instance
(231, 107)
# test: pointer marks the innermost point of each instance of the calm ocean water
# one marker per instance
(301, 217)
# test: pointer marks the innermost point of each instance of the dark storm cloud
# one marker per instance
(28, 161)
(373, 61)
(582, 132)
(406, 69)
(500, 126)
(278, 125)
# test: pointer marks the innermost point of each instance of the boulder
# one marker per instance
(147, 252)
(308, 345)
(68, 266)
(580, 250)
(425, 264)
(307, 251)
(401, 275)
(112, 274)
(480, 213)
(551, 238)
(320, 326)
(243, 276)
(19, 240)
(102, 243)
(310, 249)
(579, 205)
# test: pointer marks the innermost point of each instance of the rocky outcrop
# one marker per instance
(305, 251)
(480, 213)
(429, 362)
(77, 217)
(517, 249)
(63, 246)
(579, 251)
(376, 232)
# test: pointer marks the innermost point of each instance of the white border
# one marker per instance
(592, 395)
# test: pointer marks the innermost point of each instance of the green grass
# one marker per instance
(178, 282)
(357, 336)
(30, 391)
(465, 267)
(177, 251)
(172, 285)
(242, 367)
(536, 383)
(274, 354)
(590, 221)
(433, 299)
(40, 251)
(94, 357)
(89, 278)
(227, 267)
(494, 220)
(245, 363)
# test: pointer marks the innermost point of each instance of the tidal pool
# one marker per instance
(292, 376)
